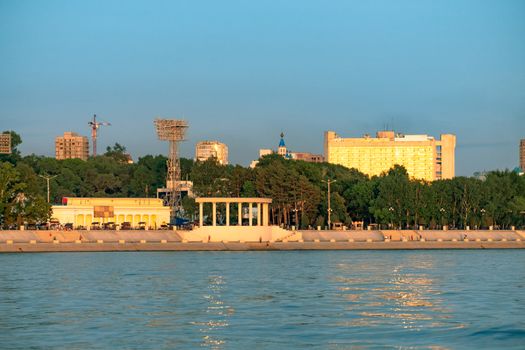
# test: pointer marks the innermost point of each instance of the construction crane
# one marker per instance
(94, 127)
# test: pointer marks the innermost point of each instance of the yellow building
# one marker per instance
(71, 145)
(85, 211)
(423, 156)
(208, 149)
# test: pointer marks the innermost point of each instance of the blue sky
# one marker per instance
(243, 71)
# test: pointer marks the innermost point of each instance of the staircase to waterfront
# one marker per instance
(293, 236)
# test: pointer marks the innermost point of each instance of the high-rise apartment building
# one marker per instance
(71, 145)
(423, 156)
(5, 143)
(207, 149)
(522, 154)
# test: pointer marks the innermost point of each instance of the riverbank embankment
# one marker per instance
(101, 240)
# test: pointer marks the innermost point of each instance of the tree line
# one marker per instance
(392, 200)
(298, 190)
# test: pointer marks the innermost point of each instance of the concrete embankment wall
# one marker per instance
(207, 233)
(240, 235)
(88, 236)
(251, 246)
(413, 235)
(342, 235)
(91, 241)
(235, 233)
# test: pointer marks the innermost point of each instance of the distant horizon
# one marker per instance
(188, 148)
(242, 73)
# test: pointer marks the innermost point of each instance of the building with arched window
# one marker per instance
(145, 212)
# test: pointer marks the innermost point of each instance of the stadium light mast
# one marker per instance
(173, 131)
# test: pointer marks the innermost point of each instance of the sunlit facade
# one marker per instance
(85, 211)
(423, 156)
(207, 149)
(71, 145)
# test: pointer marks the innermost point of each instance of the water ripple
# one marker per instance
(267, 300)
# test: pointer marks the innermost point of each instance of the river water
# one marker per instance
(264, 300)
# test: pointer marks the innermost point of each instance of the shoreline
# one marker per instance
(114, 241)
(253, 246)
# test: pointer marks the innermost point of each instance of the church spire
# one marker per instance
(282, 151)
(281, 143)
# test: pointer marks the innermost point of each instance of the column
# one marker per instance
(265, 214)
(258, 214)
(214, 214)
(201, 215)
(227, 214)
(250, 214)
(240, 214)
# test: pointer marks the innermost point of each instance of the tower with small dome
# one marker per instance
(281, 150)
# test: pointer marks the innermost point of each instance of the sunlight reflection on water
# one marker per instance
(270, 300)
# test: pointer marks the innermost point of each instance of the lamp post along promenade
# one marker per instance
(48, 178)
(329, 182)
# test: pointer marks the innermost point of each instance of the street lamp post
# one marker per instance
(329, 208)
(296, 215)
(442, 211)
(48, 178)
(391, 210)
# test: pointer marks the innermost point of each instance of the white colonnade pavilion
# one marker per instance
(260, 203)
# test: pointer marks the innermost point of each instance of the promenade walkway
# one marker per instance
(100, 240)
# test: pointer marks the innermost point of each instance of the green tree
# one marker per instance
(209, 179)
(20, 202)
(359, 196)
(117, 152)
(190, 207)
(392, 206)
(9, 187)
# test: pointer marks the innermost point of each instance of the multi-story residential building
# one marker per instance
(423, 156)
(208, 149)
(522, 154)
(5, 143)
(307, 157)
(71, 145)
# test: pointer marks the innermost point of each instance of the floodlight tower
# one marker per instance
(173, 131)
